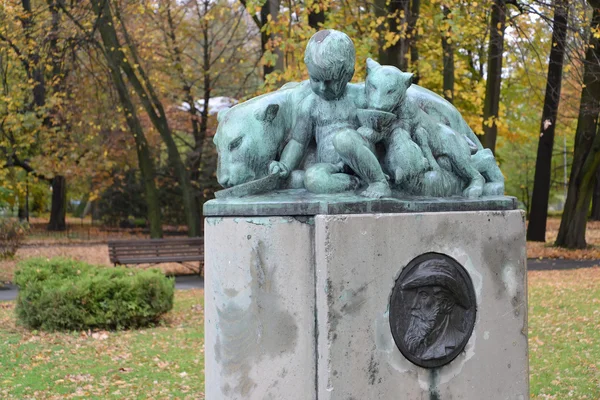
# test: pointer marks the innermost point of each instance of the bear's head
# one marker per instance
(385, 86)
(248, 138)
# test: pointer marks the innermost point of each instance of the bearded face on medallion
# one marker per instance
(432, 310)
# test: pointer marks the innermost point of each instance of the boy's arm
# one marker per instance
(293, 151)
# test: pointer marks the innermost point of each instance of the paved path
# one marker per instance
(184, 282)
(545, 264)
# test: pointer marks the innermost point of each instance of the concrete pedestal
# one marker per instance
(259, 309)
(298, 307)
(358, 258)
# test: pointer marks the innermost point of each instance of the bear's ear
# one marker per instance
(221, 114)
(372, 65)
(407, 78)
(268, 114)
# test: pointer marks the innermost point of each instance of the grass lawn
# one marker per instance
(564, 334)
(168, 361)
(162, 362)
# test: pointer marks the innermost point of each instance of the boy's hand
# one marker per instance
(277, 167)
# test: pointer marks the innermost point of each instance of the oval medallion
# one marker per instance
(432, 310)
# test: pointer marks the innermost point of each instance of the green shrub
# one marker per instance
(12, 233)
(63, 294)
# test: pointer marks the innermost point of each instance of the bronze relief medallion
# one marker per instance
(432, 310)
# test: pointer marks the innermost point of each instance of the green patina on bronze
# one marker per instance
(300, 202)
(379, 139)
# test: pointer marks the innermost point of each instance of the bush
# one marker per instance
(63, 294)
(12, 233)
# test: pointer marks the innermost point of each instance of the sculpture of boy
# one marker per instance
(329, 115)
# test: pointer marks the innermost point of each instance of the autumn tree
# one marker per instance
(396, 17)
(205, 52)
(448, 55)
(126, 57)
(595, 214)
(41, 49)
(586, 158)
(536, 229)
(415, 11)
(265, 14)
(494, 73)
(316, 14)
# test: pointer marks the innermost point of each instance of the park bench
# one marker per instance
(156, 251)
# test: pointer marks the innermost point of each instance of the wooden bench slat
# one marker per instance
(195, 246)
(158, 260)
(156, 255)
(155, 246)
(172, 239)
(151, 248)
(153, 242)
(155, 249)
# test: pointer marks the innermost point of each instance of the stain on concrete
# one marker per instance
(434, 393)
(500, 255)
(333, 316)
(214, 221)
(253, 324)
(304, 219)
(259, 221)
(513, 288)
(226, 389)
(353, 300)
(373, 370)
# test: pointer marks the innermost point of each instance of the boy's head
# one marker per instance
(329, 57)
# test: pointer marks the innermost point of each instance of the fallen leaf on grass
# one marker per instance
(100, 335)
(79, 378)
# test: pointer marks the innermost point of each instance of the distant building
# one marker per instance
(215, 104)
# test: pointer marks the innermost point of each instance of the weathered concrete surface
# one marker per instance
(358, 258)
(259, 305)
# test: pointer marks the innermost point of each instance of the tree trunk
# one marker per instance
(494, 74)
(536, 230)
(397, 12)
(145, 162)
(415, 10)
(586, 157)
(271, 7)
(448, 59)
(316, 19)
(58, 209)
(199, 124)
(23, 210)
(144, 158)
(149, 100)
(200, 131)
(37, 71)
(595, 216)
